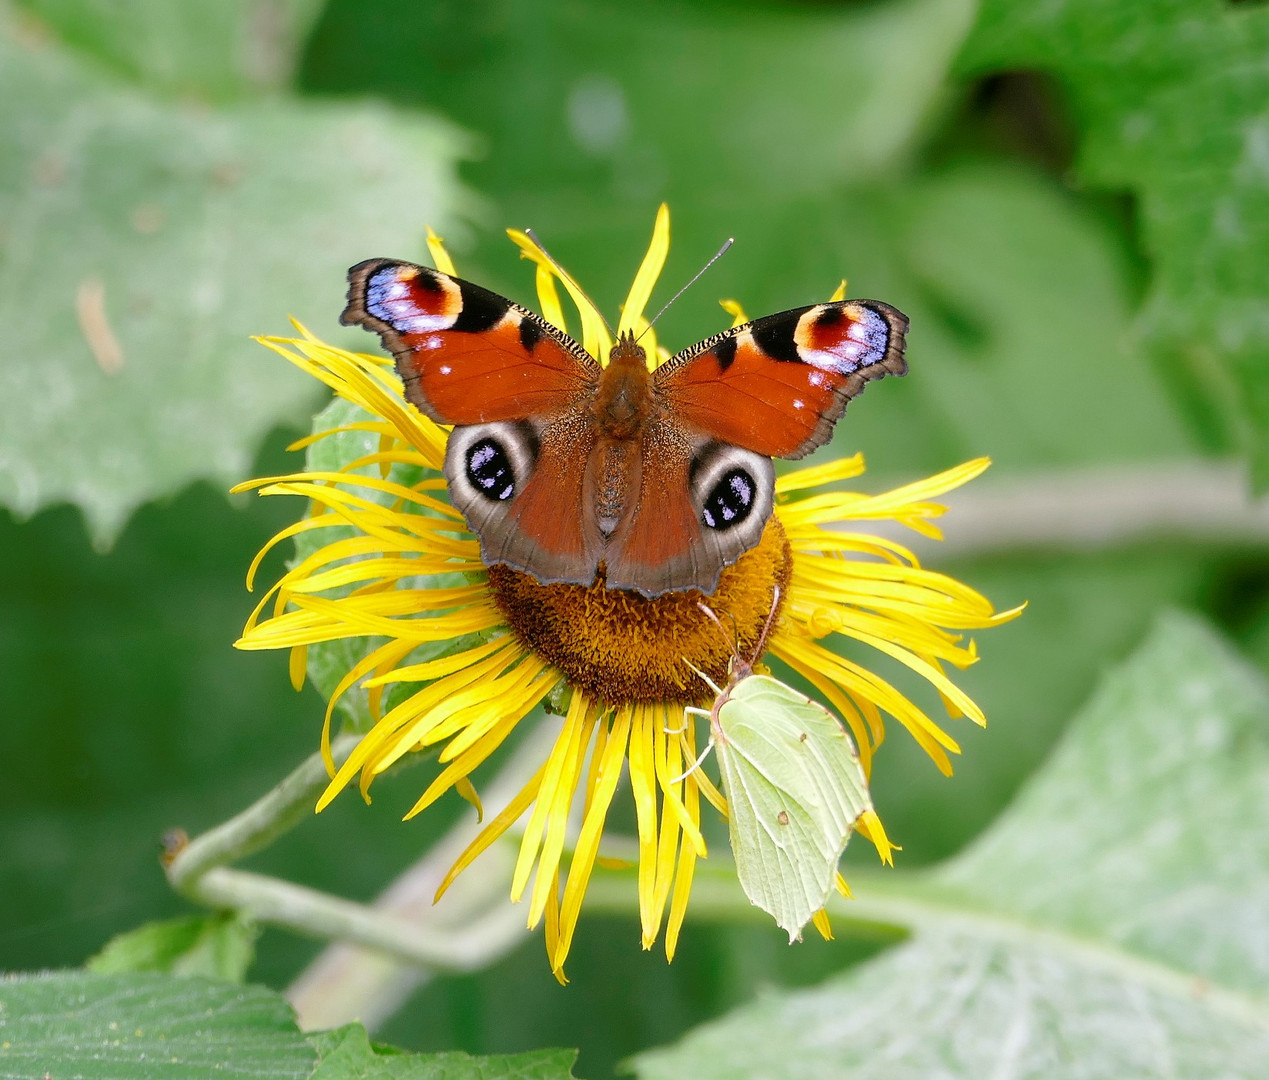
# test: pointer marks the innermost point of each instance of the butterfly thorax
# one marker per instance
(624, 398)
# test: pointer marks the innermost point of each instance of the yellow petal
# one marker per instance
(821, 923)
(595, 337)
(649, 271)
(643, 787)
(467, 790)
(737, 313)
(549, 298)
(869, 825)
(587, 847)
(440, 257)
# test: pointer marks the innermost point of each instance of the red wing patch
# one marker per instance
(466, 355)
(778, 385)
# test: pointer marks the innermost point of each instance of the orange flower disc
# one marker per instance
(624, 648)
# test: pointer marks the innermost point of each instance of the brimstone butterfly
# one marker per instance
(795, 790)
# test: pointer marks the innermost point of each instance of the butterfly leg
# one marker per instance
(700, 759)
(687, 709)
(708, 681)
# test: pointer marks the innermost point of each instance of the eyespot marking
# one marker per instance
(730, 500)
(411, 300)
(842, 341)
(489, 470)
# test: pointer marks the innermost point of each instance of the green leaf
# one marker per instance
(218, 946)
(104, 1027)
(346, 1054)
(208, 49)
(1172, 106)
(794, 790)
(1114, 922)
(141, 244)
(107, 1027)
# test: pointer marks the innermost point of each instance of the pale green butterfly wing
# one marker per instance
(795, 790)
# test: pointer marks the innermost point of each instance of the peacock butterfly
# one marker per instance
(567, 469)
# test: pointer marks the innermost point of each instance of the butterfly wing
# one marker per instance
(520, 486)
(701, 505)
(795, 790)
(777, 385)
(771, 388)
(513, 386)
(466, 355)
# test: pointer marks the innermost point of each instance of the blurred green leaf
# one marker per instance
(1114, 921)
(752, 119)
(1021, 300)
(140, 244)
(612, 106)
(102, 1027)
(1083, 616)
(1020, 345)
(1171, 98)
(219, 946)
(346, 1054)
(205, 49)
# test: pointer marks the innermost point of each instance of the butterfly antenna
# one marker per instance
(733, 644)
(717, 255)
(569, 278)
(766, 627)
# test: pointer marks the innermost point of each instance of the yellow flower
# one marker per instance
(402, 570)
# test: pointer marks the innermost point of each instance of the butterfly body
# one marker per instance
(571, 470)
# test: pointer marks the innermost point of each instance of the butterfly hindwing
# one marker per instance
(518, 485)
(680, 535)
(778, 385)
(466, 355)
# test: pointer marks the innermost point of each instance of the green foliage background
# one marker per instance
(1071, 201)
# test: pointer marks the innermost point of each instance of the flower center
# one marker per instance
(622, 648)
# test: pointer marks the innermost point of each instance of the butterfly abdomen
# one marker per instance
(614, 475)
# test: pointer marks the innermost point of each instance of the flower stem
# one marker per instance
(256, 827)
(894, 904)
(199, 872)
(346, 982)
(318, 914)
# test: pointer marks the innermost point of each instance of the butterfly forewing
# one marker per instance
(466, 355)
(777, 385)
(512, 385)
(795, 790)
